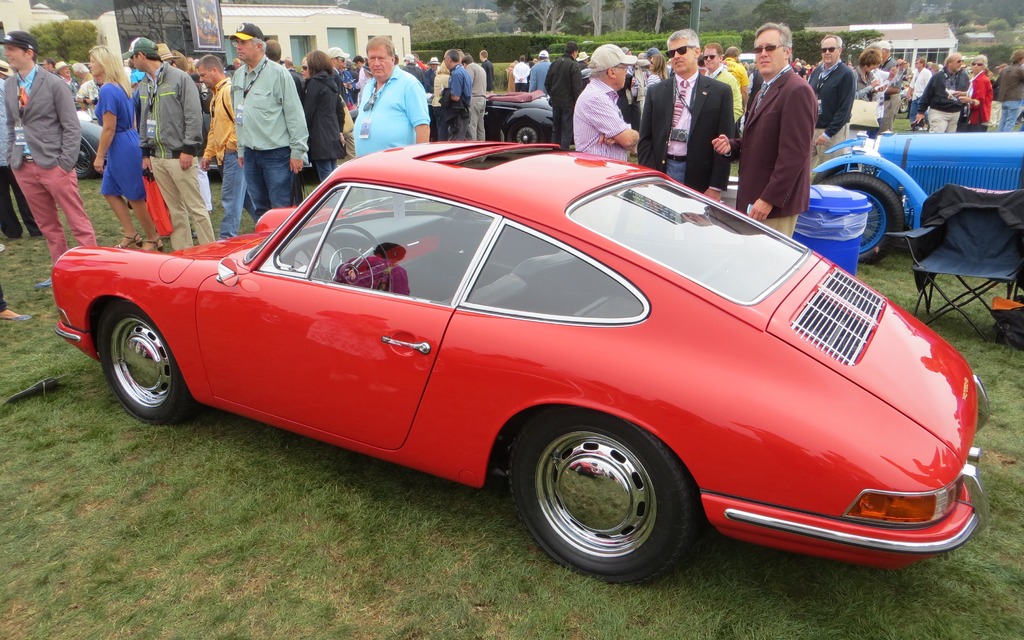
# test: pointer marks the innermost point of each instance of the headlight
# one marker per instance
(904, 508)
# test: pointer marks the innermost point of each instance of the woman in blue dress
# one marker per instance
(119, 156)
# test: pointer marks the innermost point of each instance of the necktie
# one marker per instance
(760, 96)
(677, 110)
(22, 98)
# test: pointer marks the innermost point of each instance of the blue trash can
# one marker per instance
(833, 224)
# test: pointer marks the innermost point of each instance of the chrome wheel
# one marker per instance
(596, 494)
(140, 362)
(140, 367)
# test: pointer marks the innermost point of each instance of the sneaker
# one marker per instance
(45, 284)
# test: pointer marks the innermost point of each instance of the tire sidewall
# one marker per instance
(675, 494)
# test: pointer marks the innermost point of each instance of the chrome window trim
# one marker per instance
(700, 198)
(268, 267)
(551, 318)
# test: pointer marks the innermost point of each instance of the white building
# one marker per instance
(933, 42)
(299, 28)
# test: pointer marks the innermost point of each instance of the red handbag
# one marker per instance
(156, 205)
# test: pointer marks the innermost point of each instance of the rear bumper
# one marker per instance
(854, 542)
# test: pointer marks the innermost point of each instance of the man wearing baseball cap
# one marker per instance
(10, 226)
(598, 127)
(342, 76)
(171, 137)
(269, 122)
(44, 135)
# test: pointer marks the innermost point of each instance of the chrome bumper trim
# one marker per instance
(984, 409)
(977, 522)
(67, 335)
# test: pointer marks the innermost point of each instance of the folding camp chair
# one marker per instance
(971, 243)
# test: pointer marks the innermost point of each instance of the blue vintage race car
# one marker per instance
(898, 172)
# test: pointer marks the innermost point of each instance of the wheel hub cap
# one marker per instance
(140, 362)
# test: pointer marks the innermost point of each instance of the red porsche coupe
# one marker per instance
(635, 358)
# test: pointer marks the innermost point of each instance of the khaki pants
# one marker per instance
(180, 190)
(890, 109)
(942, 122)
(786, 226)
(818, 150)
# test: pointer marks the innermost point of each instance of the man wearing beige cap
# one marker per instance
(598, 127)
(342, 76)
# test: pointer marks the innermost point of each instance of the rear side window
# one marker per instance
(527, 275)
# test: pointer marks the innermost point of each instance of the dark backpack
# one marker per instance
(1009, 317)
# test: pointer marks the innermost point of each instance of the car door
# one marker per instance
(339, 329)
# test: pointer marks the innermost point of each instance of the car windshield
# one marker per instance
(718, 249)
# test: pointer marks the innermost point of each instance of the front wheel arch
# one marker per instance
(602, 496)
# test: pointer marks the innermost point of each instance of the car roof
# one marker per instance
(533, 182)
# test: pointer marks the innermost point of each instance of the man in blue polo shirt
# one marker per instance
(392, 106)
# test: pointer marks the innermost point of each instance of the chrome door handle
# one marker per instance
(422, 347)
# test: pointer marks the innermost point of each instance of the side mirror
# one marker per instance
(227, 272)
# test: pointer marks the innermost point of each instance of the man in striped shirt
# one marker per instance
(598, 127)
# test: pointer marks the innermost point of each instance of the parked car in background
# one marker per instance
(518, 117)
(898, 172)
(633, 358)
(87, 150)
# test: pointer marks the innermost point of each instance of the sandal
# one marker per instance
(153, 245)
(128, 242)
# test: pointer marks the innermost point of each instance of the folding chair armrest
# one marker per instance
(921, 241)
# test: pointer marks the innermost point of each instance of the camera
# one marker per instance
(678, 135)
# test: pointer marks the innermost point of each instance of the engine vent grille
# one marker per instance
(840, 317)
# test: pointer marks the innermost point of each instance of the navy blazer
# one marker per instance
(711, 116)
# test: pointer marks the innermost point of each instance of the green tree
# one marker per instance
(69, 41)
(429, 24)
(781, 11)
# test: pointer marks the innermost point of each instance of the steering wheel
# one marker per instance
(339, 256)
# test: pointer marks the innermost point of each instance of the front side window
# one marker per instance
(399, 243)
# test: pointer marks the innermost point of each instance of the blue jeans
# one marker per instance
(268, 179)
(676, 170)
(233, 195)
(912, 110)
(1011, 109)
(324, 168)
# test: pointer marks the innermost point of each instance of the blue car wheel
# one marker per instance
(886, 211)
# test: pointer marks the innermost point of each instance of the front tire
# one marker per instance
(886, 212)
(603, 497)
(140, 368)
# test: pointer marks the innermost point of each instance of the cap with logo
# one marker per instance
(145, 46)
(337, 52)
(22, 40)
(609, 56)
(247, 31)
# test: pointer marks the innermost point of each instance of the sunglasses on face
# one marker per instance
(671, 53)
(710, 56)
(977, 64)
(828, 49)
(768, 47)
(305, 68)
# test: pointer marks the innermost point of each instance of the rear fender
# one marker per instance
(886, 171)
(533, 115)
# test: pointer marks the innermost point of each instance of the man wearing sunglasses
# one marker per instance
(835, 85)
(775, 147)
(682, 116)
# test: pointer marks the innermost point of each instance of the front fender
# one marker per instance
(888, 171)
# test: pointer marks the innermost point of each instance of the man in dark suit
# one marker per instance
(775, 148)
(676, 131)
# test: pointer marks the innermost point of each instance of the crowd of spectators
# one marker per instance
(688, 111)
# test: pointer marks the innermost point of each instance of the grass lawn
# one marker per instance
(227, 528)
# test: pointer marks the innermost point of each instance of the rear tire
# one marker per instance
(140, 368)
(886, 212)
(602, 496)
(525, 133)
(84, 168)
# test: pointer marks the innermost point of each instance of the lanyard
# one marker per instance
(259, 70)
(375, 94)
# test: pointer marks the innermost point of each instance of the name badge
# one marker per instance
(151, 128)
(364, 131)
(19, 136)
(819, 106)
(238, 114)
